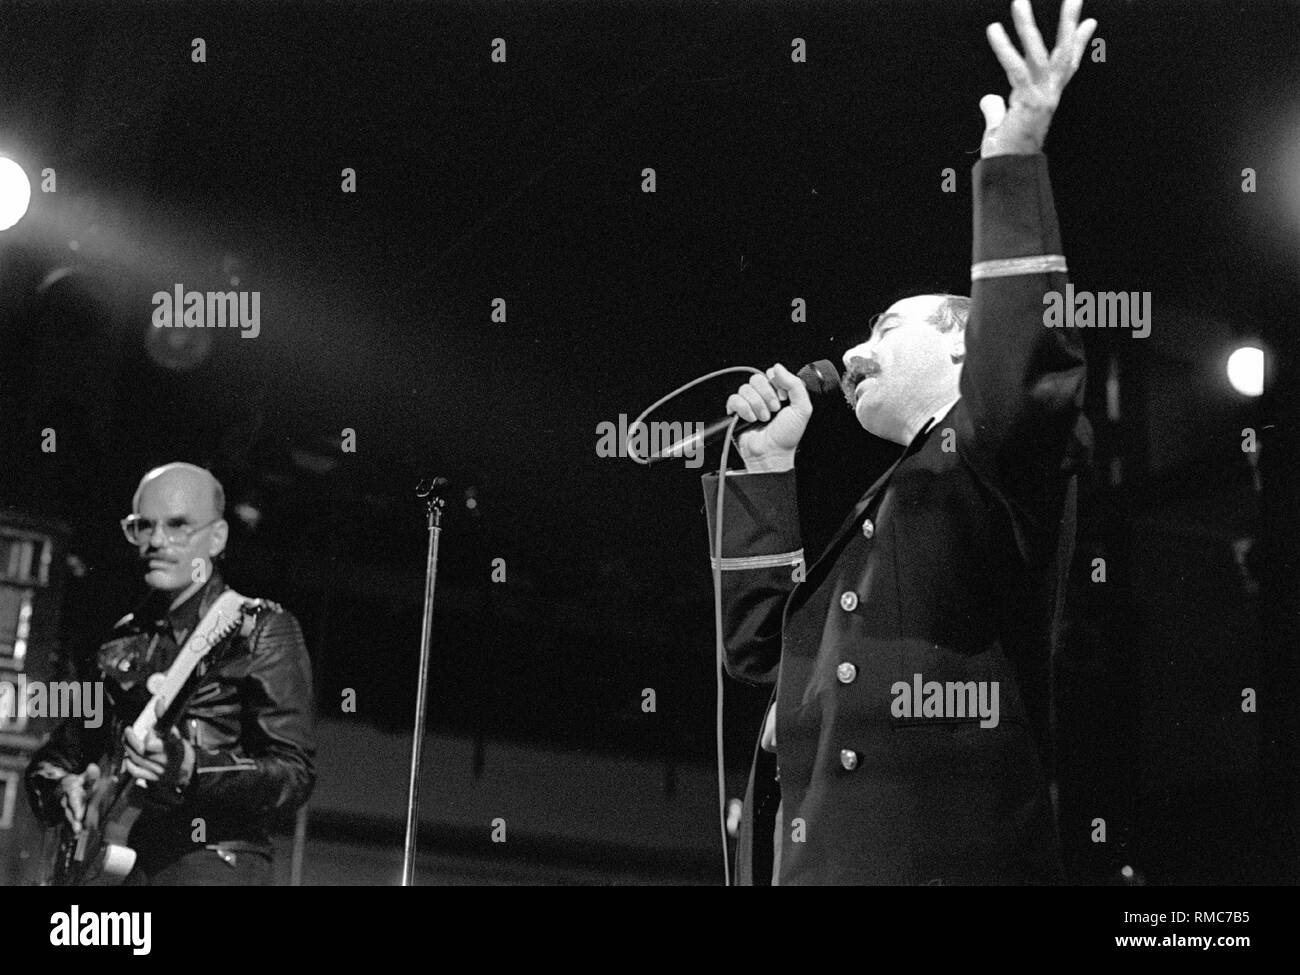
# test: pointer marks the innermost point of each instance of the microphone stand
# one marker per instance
(434, 502)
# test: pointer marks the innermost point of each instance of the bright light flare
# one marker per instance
(1246, 370)
(15, 193)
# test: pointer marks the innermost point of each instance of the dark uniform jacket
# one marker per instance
(249, 719)
(947, 568)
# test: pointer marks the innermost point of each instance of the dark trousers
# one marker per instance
(209, 866)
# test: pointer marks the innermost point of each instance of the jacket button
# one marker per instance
(849, 601)
(868, 529)
(846, 673)
(849, 759)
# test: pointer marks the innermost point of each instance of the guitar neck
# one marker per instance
(177, 675)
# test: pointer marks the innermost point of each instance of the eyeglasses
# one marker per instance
(176, 530)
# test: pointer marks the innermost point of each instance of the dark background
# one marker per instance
(775, 180)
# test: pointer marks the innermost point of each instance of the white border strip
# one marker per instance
(1010, 266)
(760, 561)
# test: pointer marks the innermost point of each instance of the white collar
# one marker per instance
(940, 415)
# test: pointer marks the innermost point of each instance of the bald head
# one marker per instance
(181, 507)
(196, 483)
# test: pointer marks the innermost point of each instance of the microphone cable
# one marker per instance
(719, 670)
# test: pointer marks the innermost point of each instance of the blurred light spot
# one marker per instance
(178, 349)
(312, 461)
(1112, 389)
(24, 631)
(73, 245)
(734, 807)
(53, 278)
(1246, 370)
(248, 514)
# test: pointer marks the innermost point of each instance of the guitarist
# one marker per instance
(241, 751)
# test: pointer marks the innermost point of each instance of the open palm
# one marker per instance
(1037, 79)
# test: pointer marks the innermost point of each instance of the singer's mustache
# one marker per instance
(858, 370)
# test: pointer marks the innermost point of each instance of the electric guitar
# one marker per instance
(99, 855)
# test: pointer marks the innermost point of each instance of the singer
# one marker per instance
(947, 568)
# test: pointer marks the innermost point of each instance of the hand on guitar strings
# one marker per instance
(165, 759)
(76, 787)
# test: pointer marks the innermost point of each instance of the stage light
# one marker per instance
(178, 349)
(15, 193)
(1246, 370)
(249, 514)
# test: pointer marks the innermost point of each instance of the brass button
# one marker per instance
(849, 759)
(849, 601)
(846, 673)
(868, 529)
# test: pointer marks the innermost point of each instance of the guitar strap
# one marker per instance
(247, 623)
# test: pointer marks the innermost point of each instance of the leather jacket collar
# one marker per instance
(155, 615)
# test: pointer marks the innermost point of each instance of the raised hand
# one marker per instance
(1037, 79)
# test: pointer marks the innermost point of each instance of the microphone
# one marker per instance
(821, 377)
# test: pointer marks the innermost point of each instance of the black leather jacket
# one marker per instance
(249, 718)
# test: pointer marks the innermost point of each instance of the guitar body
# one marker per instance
(100, 855)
